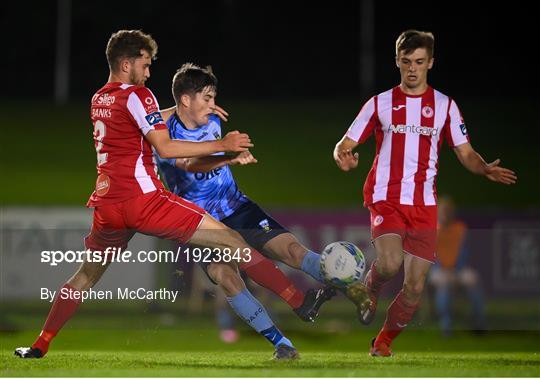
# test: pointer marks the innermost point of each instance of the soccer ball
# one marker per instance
(342, 263)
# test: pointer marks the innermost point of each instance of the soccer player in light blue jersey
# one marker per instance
(208, 182)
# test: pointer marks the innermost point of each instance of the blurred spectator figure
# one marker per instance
(452, 269)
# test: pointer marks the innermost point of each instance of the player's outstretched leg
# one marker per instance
(405, 304)
(389, 259)
(250, 309)
(286, 248)
(260, 269)
(264, 272)
(64, 307)
(313, 300)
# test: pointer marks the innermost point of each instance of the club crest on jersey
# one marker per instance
(463, 129)
(154, 118)
(427, 111)
(204, 134)
(265, 225)
(378, 220)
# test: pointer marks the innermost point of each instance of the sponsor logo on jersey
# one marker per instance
(427, 111)
(207, 175)
(204, 134)
(265, 225)
(378, 220)
(149, 105)
(463, 129)
(154, 118)
(103, 99)
(423, 130)
(398, 107)
(103, 184)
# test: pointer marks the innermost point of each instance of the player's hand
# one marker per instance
(236, 142)
(499, 174)
(220, 112)
(346, 160)
(243, 158)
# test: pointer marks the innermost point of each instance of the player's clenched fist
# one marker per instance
(236, 142)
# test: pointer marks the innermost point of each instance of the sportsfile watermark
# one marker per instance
(118, 255)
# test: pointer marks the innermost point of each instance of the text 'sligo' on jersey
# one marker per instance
(122, 114)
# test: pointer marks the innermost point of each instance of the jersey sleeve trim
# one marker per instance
(364, 123)
(144, 108)
(457, 131)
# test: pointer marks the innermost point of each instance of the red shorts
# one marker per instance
(416, 225)
(159, 213)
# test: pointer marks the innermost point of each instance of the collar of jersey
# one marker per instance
(196, 130)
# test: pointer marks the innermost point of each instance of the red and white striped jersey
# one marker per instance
(408, 133)
(122, 114)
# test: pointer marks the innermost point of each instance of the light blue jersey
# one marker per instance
(215, 191)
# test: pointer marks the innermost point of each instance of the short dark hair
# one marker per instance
(128, 44)
(191, 79)
(410, 40)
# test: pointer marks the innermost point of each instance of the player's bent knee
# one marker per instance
(227, 278)
(413, 289)
(292, 254)
(388, 267)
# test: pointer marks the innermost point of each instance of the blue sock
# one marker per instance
(311, 264)
(274, 335)
(252, 311)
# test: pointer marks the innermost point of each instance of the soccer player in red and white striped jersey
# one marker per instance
(130, 198)
(409, 122)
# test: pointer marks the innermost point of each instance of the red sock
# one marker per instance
(61, 311)
(398, 315)
(265, 273)
(374, 280)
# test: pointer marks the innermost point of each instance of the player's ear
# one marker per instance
(431, 61)
(125, 65)
(185, 100)
(397, 61)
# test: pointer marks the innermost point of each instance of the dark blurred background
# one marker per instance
(276, 49)
(291, 72)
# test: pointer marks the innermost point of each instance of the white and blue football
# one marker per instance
(342, 263)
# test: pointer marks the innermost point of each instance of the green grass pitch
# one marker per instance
(255, 364)
(189, 346)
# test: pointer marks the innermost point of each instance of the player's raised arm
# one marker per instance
(209, 163)
(234, 142)
(474, 162)
(358, 132)
(343, 155)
